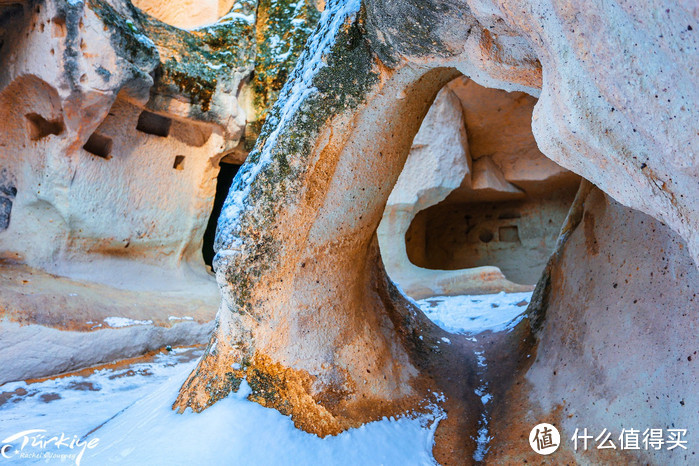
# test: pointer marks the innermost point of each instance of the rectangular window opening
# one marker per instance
(152, 123)
(509, 234)
(99, 145)
(179, 162)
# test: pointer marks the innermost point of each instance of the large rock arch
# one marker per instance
(332, 349)
(308, 316)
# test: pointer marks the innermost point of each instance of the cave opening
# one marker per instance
(475, 194)
(39, 127)
(517, 236)
(178, 164)
(223, 184)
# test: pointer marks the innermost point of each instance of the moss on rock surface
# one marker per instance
(193, 62)
(261, 40)
(282, 28)
(340, 86)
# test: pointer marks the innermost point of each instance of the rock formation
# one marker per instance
(581, 373)
(308, 315)
(114, 124)
(115, 120)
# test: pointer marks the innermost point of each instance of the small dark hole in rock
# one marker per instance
(485, 236)
(179, 162)
(99, 145)
(39, 127)
(152, 123)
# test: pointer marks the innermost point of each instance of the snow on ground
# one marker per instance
(123, 415)
(142, 429)
(471, 315)
(476, 313)
(117, 322)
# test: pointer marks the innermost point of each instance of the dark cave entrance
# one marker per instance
(223, 185)
(517, 236)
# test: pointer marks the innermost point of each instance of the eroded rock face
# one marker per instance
(105, 188)
(113, 126)
(331, 349)
(583, 375)
(438, 163)
(186, 14)
(8, 191)
(589, 118)
(114, 118)
(87, 142)
(506, 45)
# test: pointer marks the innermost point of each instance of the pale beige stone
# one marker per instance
(186, 14)
(488, 178)
(439, 162)
(616, 340)
(306, 301)
(105, 192)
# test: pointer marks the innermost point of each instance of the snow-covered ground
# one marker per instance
(476, 313)
(472, 315)
(117, 322)
(123, 415)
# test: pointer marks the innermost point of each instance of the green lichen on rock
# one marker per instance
(263, 39)
(411, 28)
(340, 86)
(282, 28)
(194, 62)
(126, 35)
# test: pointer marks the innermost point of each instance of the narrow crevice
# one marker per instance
(223, 185)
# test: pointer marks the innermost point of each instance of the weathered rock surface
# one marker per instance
(309, 315)
(620, 112)
(186, 14)
(86, 143)
(108, 174)
(114, 124)
(438, 163)
(582, 373)
(587, 118)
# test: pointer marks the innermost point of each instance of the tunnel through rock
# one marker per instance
(477, 208)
